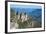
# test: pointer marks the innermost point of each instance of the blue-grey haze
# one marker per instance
(31, 10)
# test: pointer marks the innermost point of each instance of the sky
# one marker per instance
(25, 6)
(29, 9)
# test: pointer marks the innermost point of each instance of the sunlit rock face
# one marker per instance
(24, 17)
